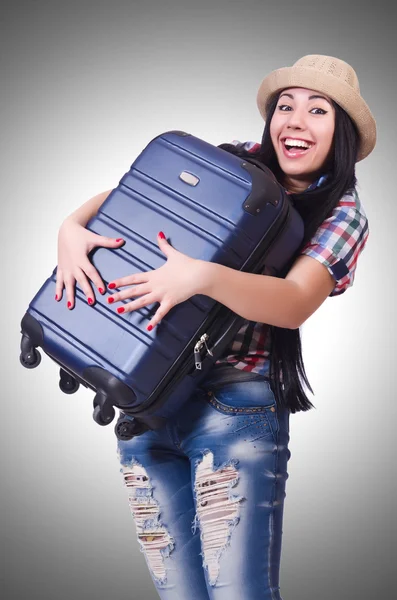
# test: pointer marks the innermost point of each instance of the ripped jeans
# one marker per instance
(207, 493)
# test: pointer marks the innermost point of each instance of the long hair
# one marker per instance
(314, 207)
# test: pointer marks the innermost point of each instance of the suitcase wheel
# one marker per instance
(67, 383)
(101, 416)
(126, 428)
(30, 359)
(70, 387)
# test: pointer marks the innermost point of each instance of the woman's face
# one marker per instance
(302, 115)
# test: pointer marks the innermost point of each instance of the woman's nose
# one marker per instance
(296, 120)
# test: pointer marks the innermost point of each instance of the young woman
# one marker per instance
(207, 491)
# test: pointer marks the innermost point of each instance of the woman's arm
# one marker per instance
(89, 209)
(260, 298)
(280, 302)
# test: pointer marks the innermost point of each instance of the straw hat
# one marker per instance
(333, 77)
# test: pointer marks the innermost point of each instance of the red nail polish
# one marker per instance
(100, 290)
(111, 286)
(110, 300)
(161, 235)
(120, 309)
(90, 301)
(56, 297)
(69, 304)
(149, 327)
(119, 240)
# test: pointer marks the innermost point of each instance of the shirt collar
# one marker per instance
(317, 183)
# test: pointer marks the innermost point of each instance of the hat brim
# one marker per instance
(339, 91)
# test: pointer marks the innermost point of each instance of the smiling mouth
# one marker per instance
(293, 148)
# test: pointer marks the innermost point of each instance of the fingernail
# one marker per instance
(100, 290)
(119, 240)
(149, 327)
(90, 301)
(56, 297)
(69, 304)
(161, 235)
(111, 286)
(120, 309)
(110, 299)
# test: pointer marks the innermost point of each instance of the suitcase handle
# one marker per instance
(263, 167)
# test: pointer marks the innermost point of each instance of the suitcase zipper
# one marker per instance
(197, 354)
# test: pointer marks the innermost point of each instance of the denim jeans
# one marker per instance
(207, 492)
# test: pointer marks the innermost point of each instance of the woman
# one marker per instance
(207, 491)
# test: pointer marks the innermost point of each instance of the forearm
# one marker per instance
(89, 209)
(259, 298)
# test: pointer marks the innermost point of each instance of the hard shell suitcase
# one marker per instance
(213, 206)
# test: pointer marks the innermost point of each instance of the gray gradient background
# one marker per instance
(84, 87)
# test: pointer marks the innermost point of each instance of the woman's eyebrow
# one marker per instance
(310, 97)
(323, 97)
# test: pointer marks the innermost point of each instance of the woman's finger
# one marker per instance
(85, 286)
(58, 285)
(138, 303)
(139, 290)
(106, 242)
(69, 286)
(163, 309)
(129, 280)
(91, 272)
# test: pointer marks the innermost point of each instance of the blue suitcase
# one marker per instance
(214, 206)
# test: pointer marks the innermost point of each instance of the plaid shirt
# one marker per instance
(336, 244)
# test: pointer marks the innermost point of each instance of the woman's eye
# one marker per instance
(283, 107)
(323, 112)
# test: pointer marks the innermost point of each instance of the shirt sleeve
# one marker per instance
(250, 146)
(339, 241)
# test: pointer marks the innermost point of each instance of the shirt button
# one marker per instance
(273, 409)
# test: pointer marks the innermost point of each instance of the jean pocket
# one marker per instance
(245, 397)
(254, 400)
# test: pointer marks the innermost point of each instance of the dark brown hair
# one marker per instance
(314, 206)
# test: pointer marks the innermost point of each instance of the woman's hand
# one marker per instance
(177, 280)
(74, 244)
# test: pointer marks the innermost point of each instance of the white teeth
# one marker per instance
(301, 143)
